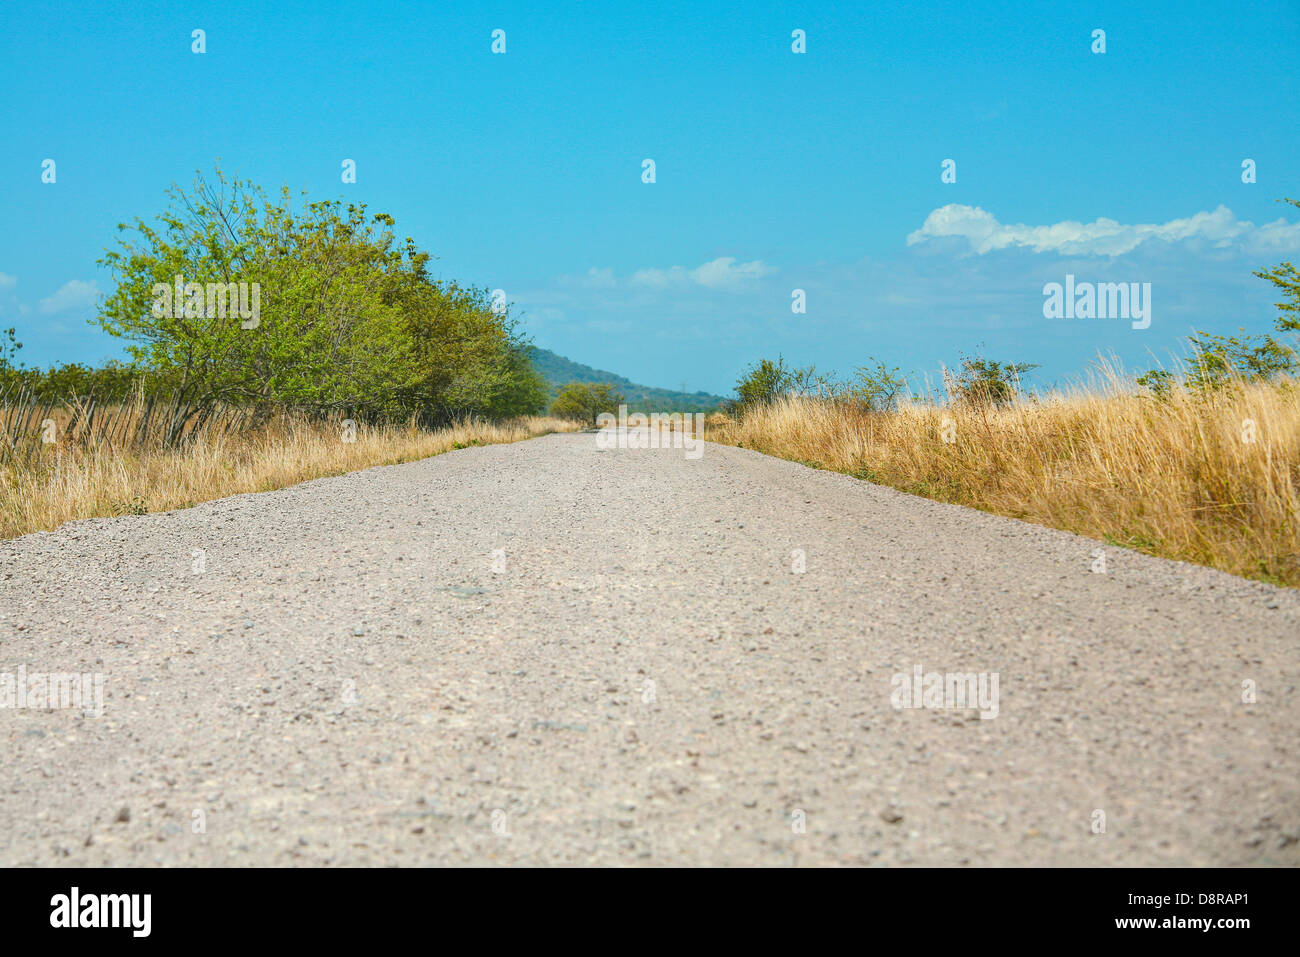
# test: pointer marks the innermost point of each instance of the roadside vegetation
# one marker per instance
(116, 460)
(269, 341)
(1199, 462)
(582, 402)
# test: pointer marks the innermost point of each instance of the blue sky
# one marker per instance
(774, 170)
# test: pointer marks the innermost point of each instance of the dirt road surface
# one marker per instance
(548, 653)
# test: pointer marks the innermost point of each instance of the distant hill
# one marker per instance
(557, 370)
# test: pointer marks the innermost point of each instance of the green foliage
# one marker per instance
(136, 506)
(808, 381)
(517, 388)
(875, 387)
(1217, 361)
(1159, 381)
(1286, 278)
(349, 318)
(986, 382)
(1135, 540)
(583, 401)
(764, 382)
(9, 349)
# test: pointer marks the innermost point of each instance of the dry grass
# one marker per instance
(114, 462)
(1176, 478)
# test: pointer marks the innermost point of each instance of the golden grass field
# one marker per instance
(110, 465)
(1213, 480)
(1209, 479)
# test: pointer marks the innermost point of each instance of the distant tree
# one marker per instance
(1159, 381)
(10, 375)
(764, 382)
(875, 387)
(1286, 278)
(986, 382)
(9, 349)
(1219, 360)
(583, 401)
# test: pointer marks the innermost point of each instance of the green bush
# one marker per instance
(350, 320)
(875, 388)
(986, 382)
(763, 382)
(584, 401)
(1217, 361)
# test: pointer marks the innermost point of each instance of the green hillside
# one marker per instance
(557, 370)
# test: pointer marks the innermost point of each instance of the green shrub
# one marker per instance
(350, 321)
(986, 382)
(584, 401)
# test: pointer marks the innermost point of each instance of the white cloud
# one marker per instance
(659, 278)
(74, 294)
(1104, 237)
(725, 272)
(7, 281)
(721, 273)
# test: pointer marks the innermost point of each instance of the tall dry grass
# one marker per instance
(118, 460)
(1208, 479)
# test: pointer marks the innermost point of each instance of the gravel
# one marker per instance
(340, 676)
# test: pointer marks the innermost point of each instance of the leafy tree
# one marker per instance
(468, 358)
(9, 349)
(326, 333)
(1218, 360)
(10, 375)
(986, 382)
(584, 401)
(875, 388)
(1286, 278)
(808, 381)
(1159, 381)
(764, 382)
(517, 387)
(350, 320)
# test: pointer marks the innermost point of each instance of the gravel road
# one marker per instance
(546, 653)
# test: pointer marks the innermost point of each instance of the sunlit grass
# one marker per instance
(1211, 479)
(117, 469)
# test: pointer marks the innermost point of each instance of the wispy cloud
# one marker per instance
(1104, 237)
(721, 273)
(74, 294)
(726, 272)
(600, 278)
